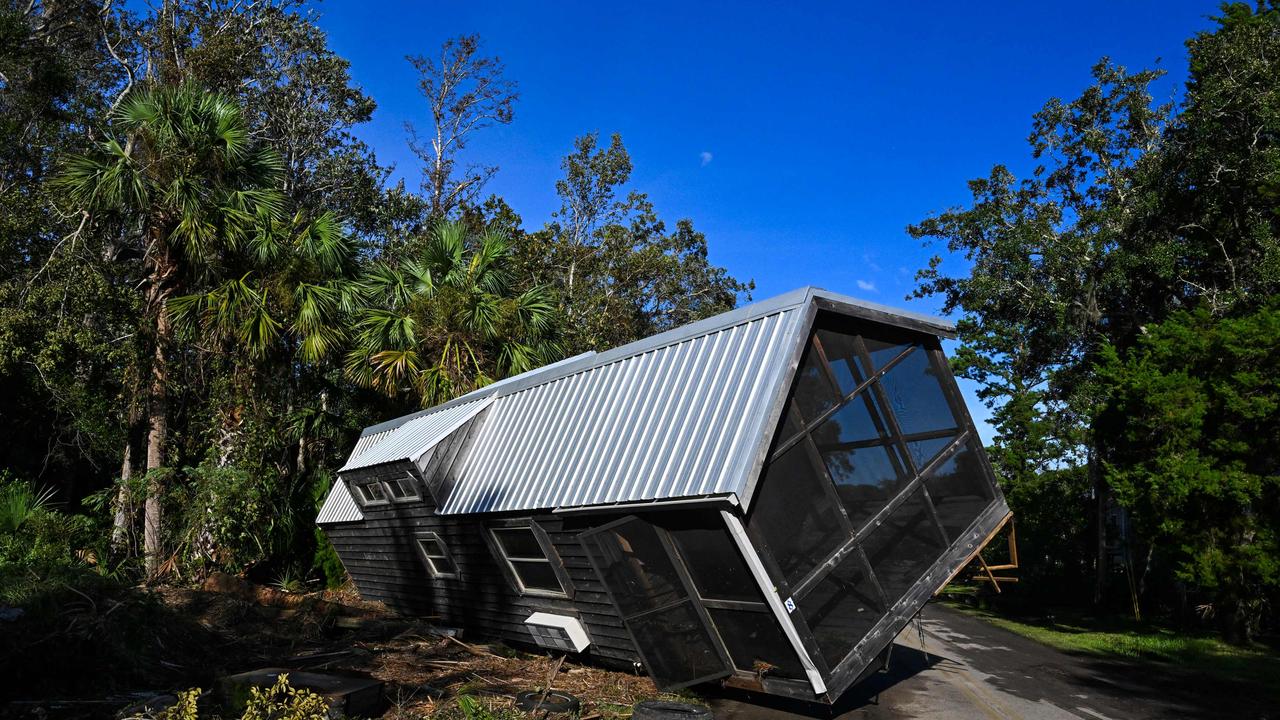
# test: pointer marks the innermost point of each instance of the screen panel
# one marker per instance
(903, 548)
(795, 514)
(897, 414)
(634, 560)
(841, 609)
(959, 489)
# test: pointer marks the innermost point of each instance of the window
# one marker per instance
(371, 493)
(435, 556)
(383, 491)
(402, 489)
(528, 561)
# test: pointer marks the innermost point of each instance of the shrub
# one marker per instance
(39, 546)
(278, 702)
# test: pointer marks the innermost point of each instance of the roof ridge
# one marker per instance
(590, 360)
(666, 338)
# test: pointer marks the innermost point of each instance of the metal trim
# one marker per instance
(739, 535)
(729, 499)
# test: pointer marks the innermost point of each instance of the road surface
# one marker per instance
(968, 668)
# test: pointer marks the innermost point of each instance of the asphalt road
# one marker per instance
(967, 668)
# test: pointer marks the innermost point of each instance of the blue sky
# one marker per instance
(801, 140)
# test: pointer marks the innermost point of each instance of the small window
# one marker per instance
(532, 571)
(402, 489)
(435, 556)
(371, 493)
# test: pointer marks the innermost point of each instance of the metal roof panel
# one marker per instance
(414, 438)
(658, 424)
(339, 506)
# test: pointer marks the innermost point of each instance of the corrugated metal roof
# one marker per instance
(367, 441)
(486, 391)
(410, 440)
(675, 415)
(339, 507)
(673, 421)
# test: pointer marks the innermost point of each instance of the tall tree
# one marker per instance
(1139, 213)
(64, 310)
(1189, 434)
(450, 319)
(465, 92)
(1211, 223)
(296, 93)
(1044, 288)
(180, 167)
(619, 272)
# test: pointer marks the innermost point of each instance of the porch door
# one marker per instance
(636, 562)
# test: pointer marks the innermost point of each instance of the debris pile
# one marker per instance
(192, 638)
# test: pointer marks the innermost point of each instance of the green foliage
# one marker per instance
(232, 517)
(284, 702)
(40, 547)
(228, 517)
(207, 284)
(1190, 432)
(619, 273)
(327, 563)
(20, 504)
(450, 319)
(1134, 212)
(1053, 510)
(281, 701)
(1040, 293)
(1210, 223)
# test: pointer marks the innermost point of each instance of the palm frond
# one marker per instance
(488, 269)
(394, 369)
(378, 328)
(536, 309)
(317, 321)
(324, 242)
(444, 253)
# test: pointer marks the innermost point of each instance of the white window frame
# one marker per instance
(408, 481)
(429, 559)
(549, 556)
(359, 488)
(386, 496)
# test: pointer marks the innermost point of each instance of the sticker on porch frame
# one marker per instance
(790, 605)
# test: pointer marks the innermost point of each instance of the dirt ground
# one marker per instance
(232, 626)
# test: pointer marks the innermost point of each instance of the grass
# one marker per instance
(1126, 640)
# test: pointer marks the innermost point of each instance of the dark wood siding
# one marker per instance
(380, 556)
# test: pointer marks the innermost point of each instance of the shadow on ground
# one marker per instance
(1118, 688)
(905, 663)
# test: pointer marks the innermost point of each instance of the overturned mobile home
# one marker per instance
(764, 498)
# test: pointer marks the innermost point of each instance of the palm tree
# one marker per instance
(451, 320)
(289, 297)
(180, 172)
(294, 288)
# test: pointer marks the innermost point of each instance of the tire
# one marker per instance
(668, 710)
(555, 702)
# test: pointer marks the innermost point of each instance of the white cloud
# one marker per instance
(865, 286)
(705, 157)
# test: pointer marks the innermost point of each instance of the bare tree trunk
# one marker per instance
(158, 421)
(122, 524)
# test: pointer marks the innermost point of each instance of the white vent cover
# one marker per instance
(557, 632)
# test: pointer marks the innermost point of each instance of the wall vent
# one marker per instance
(557, 632)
